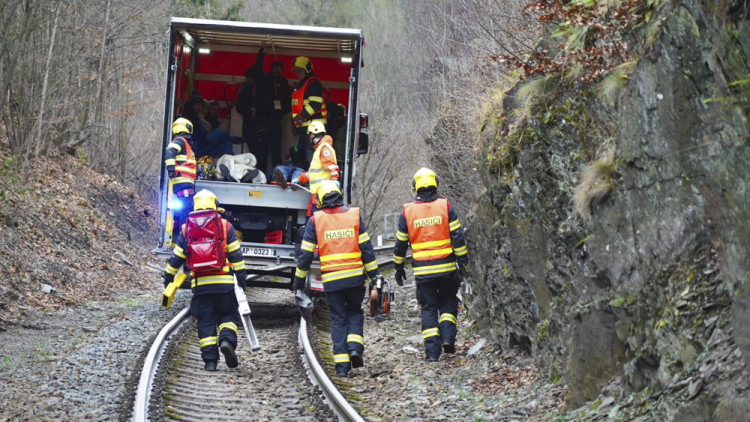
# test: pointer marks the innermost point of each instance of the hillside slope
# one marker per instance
(69, 235)
(615, 217)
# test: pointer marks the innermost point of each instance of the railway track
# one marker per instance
(285, 380)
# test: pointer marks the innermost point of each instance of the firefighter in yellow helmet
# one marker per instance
(346, 254)
(211, 251)
(430, 224)
(308, 104)
(181, 169)
(323, 165)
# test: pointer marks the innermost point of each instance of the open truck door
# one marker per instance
(210, 57)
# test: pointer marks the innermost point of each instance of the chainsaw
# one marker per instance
(381, 296)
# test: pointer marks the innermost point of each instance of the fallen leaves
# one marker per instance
(66, 225)
(504, 379)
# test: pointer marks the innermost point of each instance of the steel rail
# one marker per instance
(143, 393)
(150, 365)
(338, 404)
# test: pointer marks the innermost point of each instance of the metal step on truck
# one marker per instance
(210, 57)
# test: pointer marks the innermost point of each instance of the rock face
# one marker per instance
(646, 289)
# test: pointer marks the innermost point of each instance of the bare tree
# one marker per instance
(67, 73)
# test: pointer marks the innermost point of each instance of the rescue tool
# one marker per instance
(304, 305)
(298, 186)
(244, 310)
(167, 297)
(170, 216)
(381, 296)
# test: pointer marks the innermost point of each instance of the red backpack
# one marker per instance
(206, 242)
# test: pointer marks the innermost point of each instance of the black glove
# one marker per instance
(241, 276)
(400, 276)
(168, 278)
(299, 283)
(462, 274)
(170, 172)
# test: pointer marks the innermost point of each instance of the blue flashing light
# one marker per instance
(175, 204)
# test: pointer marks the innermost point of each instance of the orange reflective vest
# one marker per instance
(185, 166)
(299, 101)
(429, 231)
(338, 245)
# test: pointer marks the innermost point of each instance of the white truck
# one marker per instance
(211, 57)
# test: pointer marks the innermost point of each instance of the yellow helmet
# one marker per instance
(316, 127)
(182, 125)
(204, 200)
(424, 178)
(324, 188)
(302, 63)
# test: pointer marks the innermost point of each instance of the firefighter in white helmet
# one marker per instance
(323, 165)
(346, 254)
(209, 247)
(430, 224)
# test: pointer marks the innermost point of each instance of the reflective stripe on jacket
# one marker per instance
(323, 161)
(429, 231)
(430, 237)
(300, 102)
(180, 154)
(338, 245)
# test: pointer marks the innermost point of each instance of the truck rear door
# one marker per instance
(210, 57)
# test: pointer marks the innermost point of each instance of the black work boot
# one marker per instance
(356, 359)
(229, 356)
(210, 365)
(449, 348)
(342, 372)
(431, 358)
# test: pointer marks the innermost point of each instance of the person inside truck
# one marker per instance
(213, 114)
(323, 165)
(280, 94)
(288, 172)
(308, 104)
(247, 105)
(206, 140)
(262, 142)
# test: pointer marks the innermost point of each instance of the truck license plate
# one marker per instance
(248, 251)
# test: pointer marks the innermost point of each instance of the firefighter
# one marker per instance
(323, 165)
(431, 225)
(308, 104)
(214, 303)
(346, 254)
(181, 169)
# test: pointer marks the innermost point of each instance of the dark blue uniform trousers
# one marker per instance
(439, 303)
(212, 310)
(347, 323)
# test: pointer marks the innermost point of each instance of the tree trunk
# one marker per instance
(42, 103)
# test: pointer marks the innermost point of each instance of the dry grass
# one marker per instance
(597, 181)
